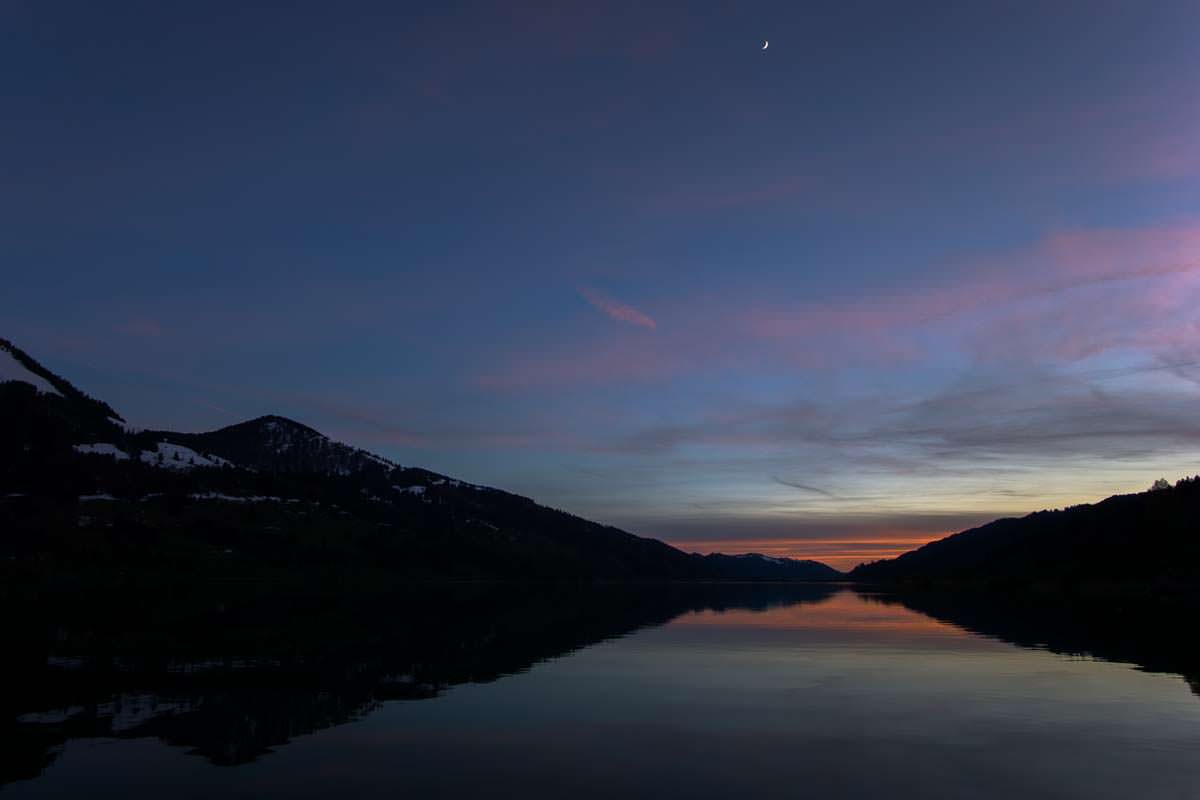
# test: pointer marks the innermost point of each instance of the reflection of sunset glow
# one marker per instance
(845, 612)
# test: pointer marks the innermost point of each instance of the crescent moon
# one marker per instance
(765, 43)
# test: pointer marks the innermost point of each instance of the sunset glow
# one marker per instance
(841, 554)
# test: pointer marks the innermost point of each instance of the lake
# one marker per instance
(712, 692)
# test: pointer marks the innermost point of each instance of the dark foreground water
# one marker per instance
(749, 692)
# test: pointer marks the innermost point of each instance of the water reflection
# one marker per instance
(1147, 632)
(228, 691)
(817, 667)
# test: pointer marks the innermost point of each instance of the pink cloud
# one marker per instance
(616, 310)
(1072, 294)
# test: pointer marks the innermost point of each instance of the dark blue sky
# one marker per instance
(912, 266)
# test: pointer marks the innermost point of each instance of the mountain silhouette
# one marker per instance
(1149, 538)
(85, 495)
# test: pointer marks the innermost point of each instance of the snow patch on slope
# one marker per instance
(176, 456)
(232, 498)
(13, 370)
(102, 449)
(456, 484)
(761, 557)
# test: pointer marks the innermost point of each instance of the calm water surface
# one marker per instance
(825, 694)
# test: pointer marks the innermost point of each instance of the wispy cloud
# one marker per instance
(804, 487)
(1032, 304)
(616, 310)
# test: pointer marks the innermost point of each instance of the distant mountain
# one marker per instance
(1151, 537)
(757, 567)
(83, 494)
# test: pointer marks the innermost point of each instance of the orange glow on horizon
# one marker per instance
(843, 554)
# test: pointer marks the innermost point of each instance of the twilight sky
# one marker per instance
(914, 266)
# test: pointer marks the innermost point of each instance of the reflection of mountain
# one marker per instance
(233, 679)
(232, 692)
(1154, 636)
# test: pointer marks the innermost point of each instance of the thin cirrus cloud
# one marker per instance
(1150, 266)
(1032, 304)
(616, 310)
